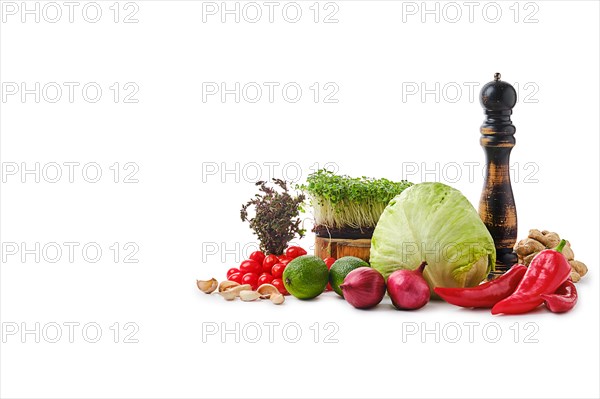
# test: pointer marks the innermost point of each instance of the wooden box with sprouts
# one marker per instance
(346, 211)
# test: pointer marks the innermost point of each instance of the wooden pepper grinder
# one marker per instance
(497, 205)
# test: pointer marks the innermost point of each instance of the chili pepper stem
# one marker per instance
(421, 267)
(560, 246)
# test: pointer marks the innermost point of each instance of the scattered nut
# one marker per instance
(277, 299)
(552, 239)
(568, 252)
(527, 260)
(579, 267)
(549, 239)
(234, 291)
(267, 290)
(575, 277)
(271, 292)
(207, 286)
(239, 288)
(528, 246)
(226, 285)
(228, 295)
(248, 296)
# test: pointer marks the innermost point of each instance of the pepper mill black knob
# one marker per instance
(497, 205)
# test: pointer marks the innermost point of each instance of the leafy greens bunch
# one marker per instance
(276, 221)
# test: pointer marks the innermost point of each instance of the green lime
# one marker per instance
(340, 269)
(305, 277)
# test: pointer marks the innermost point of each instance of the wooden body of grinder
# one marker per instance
(497, 205)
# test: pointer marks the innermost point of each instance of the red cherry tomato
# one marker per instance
(232, 271)
(278, 283)
(258, 256)
(277, 270)
(266, 269)
(285, 261)
(293, 252)
(264, 278)
(250, 266)
(250, 278)
(237, 277)
(282, 258)
(328, 288)
(268, 263)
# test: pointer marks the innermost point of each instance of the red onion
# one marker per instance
(408, 289)
(363, 287)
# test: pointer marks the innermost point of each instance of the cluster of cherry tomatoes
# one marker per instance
(267, 269)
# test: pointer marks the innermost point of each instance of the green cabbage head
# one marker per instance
(435, 223)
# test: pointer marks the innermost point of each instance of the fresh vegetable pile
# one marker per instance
(428, 242)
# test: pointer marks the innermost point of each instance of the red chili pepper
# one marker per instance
(485, 295)
(563, 300)
(547, 271)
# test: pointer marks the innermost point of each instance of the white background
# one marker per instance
(184, 219)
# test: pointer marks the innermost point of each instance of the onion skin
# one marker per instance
(408, 289)
(363, 287)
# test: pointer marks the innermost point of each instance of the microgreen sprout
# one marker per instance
(343, 201)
